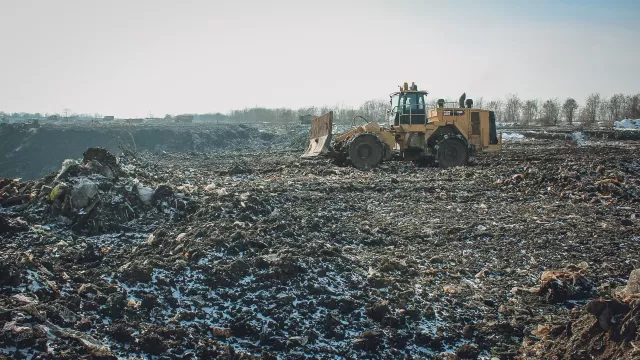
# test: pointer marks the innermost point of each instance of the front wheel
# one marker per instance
(366, 151)
(452, 153)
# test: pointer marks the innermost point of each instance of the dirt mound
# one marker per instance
(604, 329)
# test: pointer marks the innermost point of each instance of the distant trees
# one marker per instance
(603, 111)
(432, 101)
(596, 109)
(529, 111)
(323, 110)
(512, 109)
(374, 110)
(569, 109)
(632, 107)
(615, 107)
(343, 114)
(591, 107)
(550, 112)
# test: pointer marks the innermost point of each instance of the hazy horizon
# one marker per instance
(130, 59)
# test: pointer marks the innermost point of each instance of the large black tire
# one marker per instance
(366, 151)
(452, 153)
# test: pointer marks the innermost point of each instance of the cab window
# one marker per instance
(395, 102)
(412, 102)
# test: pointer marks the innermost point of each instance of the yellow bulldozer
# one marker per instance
(448, 132)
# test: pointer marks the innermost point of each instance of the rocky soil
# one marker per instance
(265, 255)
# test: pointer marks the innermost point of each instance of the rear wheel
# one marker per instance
(366, 151)
(452, 153)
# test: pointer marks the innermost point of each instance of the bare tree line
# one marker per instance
(511, 109)
(554, 111)
(372, 110)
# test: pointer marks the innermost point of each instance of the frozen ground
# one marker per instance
(261, 254)
(265, 255)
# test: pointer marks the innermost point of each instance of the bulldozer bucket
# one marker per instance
(320, 139)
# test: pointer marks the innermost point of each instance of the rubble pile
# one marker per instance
(266, 255)
(92, 197)
(603, 329)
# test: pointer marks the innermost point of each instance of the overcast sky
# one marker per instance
(135, 57)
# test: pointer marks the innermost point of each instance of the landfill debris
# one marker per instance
(568, 284)
(633, 285)
(91, 203)
(82, 193)
(262, 254)
(601, 329)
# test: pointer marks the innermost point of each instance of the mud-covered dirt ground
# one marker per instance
(267, 255)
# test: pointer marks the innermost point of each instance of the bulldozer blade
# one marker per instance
(320, 139)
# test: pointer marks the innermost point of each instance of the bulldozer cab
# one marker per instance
(408, 107)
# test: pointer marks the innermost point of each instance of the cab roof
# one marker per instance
(408, 92)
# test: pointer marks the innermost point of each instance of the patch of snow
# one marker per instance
(8, 350)
(504, 124)
(512, 136)
(247, 279)
(627, 124)
(579, 138)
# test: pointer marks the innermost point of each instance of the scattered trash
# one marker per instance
(223, 255)
(82, 193)
(570, 283)
(602, 329)
(145, 193)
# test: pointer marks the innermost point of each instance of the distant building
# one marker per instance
(184, 118)
(108, 118)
